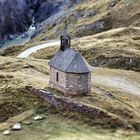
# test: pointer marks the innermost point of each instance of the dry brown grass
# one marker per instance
(113, 49)
(112, 99)
(19, 118)
(15, 75)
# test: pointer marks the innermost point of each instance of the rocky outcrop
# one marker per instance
(47, 9)
(95, 27)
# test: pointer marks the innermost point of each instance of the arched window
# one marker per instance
(57, 77)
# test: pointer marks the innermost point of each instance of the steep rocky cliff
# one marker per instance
(16, 15)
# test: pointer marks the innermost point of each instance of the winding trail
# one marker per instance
(31, 50)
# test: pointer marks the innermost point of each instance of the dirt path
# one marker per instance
(31, 50)
(119, 83)
(115, 31)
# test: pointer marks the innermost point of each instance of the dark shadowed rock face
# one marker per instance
(47, 8)
(16, 15)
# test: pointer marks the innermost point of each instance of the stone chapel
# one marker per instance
(69, 71)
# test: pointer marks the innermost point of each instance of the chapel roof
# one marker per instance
(70, 61)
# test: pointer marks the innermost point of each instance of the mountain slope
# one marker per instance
(91, 16)
(116, 48)
(16, 75)
(107, 33)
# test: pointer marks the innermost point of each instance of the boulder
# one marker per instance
(6, 132)
(17, 126)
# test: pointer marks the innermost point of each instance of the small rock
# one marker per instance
(28, 66)
(25, 35)
(113, 3)
(38, 118)
(17, 126)
(6, 132)
(27, 123)
(111, 96)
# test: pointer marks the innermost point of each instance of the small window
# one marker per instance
(57, 77)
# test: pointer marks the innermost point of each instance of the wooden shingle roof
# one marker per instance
(70, 61)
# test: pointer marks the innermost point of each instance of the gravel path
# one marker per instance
(119, 83)
(31, 50)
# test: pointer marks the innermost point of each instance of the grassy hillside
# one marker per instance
(117, 48)
(17, 74)
(56, 127)
(107, 34)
